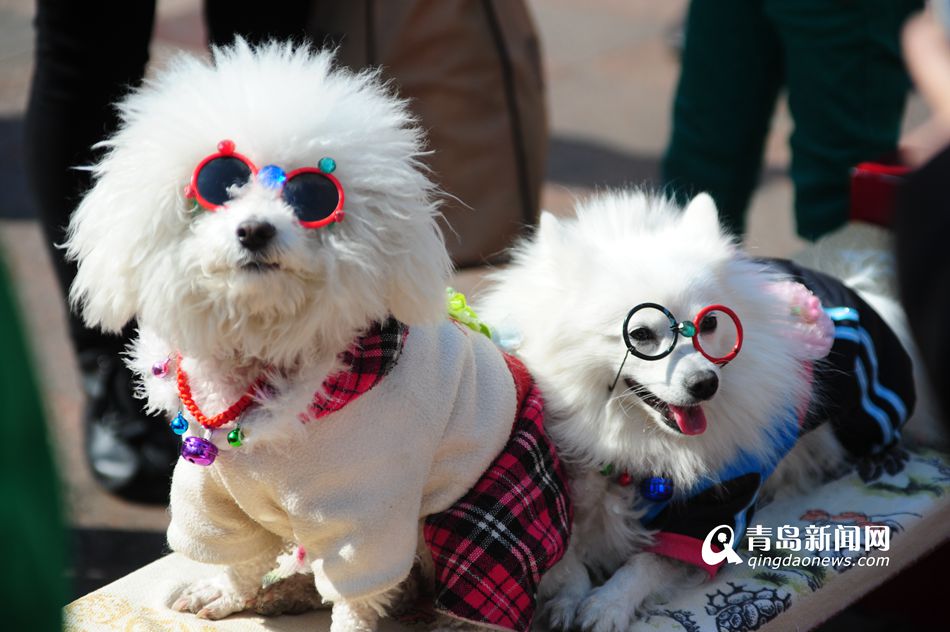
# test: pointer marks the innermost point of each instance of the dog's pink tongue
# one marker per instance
(691, 420)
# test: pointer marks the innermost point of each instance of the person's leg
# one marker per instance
(287, 20)
(730, 78)
(847, 86)
(84, 64)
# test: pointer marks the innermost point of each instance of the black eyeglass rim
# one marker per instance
(673, 328)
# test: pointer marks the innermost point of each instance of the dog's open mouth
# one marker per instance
(260, 266)
(689, 420)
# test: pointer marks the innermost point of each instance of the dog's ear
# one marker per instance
(103, 291)
(701, 214)
(419, 277)
(549, 227)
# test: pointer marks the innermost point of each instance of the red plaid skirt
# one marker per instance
(491, 548)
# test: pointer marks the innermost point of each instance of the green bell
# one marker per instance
(235, 438)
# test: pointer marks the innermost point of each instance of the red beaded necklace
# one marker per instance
(228, 415)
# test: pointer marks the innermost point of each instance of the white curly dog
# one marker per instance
(267, 221)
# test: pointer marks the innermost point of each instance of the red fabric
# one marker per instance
(519, 372)
(368, 361)
(808, 368)
(491, 548)
(685, 549)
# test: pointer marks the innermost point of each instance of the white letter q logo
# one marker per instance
(712, 557)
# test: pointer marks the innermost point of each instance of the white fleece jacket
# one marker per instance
(352, 486)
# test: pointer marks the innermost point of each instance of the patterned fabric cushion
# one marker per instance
(804, 587)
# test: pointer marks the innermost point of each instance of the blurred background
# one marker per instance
(610, 69)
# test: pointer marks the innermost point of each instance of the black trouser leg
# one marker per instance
(84, 63)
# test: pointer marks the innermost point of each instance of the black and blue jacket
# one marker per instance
(864, 388)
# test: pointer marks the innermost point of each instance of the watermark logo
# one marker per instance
(725, 542)
(839, 546)
(840, 537)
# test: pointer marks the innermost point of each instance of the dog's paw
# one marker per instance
(602, 612)
(891, 460)
(212, 598)
(561, 610)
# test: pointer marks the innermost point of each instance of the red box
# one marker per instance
(874, 188)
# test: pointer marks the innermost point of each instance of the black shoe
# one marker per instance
(130, 453)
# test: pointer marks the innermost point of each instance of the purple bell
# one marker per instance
(198, 451)
(160, 368)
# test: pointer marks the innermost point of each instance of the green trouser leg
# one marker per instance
(31, 525)
(840, 63)
(847, 87)
(727, 90)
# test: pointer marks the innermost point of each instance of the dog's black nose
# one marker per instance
(255, 235)
(702, 385)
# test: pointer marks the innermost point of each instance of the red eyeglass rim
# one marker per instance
(226, 150)
(729, 357)
(336, 214)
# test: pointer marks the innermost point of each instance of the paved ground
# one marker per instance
(611, 73)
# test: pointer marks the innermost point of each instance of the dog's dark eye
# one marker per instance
(642, 334)
(312, 195)
(218, 175)
(709, 324)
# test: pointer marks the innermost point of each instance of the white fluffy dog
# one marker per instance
(666, 440)
(266, 220)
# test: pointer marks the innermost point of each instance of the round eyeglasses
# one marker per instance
(314, 194)
(651, 332)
